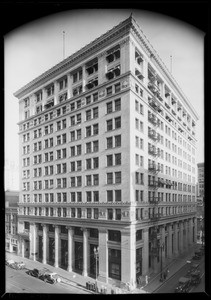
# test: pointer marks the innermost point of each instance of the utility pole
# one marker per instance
(63, 44)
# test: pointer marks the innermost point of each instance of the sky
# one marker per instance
(37, 46)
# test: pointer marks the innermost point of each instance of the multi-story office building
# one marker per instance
(107, 143)
(200, 179)
(11, 220)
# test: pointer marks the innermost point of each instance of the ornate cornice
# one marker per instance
(110, 36)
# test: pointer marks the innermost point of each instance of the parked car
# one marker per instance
(183, 285)
(50, 277)
(34, 273)
(20, 265)
(195, 277)
(11, 263)
(193, 267)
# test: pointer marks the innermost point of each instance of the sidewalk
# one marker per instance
(75, 279)
(174, 266)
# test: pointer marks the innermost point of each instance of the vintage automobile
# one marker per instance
(183, 285)
(50, 277)
(11, 263)
(34, 273)
(195, 277)
(193, 267)
(20, 265)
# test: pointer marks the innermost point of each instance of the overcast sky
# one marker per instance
(37, 46)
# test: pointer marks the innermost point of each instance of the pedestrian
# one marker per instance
(167, 272)
(146, 278)
(164, 275)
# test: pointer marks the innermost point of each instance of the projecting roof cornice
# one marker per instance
(99, 43)
(116, 32)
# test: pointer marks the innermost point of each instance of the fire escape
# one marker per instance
(153, 167)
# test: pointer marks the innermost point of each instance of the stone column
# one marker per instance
(85, 246)
(103, 255)
(181, 236)
(163, 243)
(128, 256)
(22, 247)
(33, 241)
(186, 235)
(45, 244)
(69, 86)
(57, 246)
(145, 252)
(195, 229)
(70, 248)
(190, 236)
(169, 246)
(175, 239)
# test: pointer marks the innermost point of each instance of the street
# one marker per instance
(171, 283)
(17, 281)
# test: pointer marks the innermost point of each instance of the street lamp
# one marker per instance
(96, 254)
(161, 261)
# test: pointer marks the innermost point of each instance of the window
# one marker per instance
(88, 147)
(117, 177)
(95, 112)
(88, 164)
(117, 122)
(95, 162)
(109, 142)
(109, 160)
(118, 214)
(109, 90)
(110, 196)
(109, 178)
(96, 213)
(109, 107)
(109, 125)
(95, 179)
(88, 131)
(88, 114)
(88, 180)
(89, 213)
(114, 235)
(88, 196)
(117, 87)
(139, 235)
(95, 129)
(118, 159)
(118, 195)
(117, 104)
(96, 196)
(95, 146)
(110, 214)
(117, 140)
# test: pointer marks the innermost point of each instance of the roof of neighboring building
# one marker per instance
(200, 165)
(12, 197)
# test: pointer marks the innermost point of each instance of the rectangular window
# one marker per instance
(109, 178)
(117, 122)
(118, 195)
(88, 196)
(109, 125)
(109, 143)
(110, 196)
(118, 177)
(109, 107)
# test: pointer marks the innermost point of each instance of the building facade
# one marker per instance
(200, 204)
(200, 179)
(11, 220)
(107, 143)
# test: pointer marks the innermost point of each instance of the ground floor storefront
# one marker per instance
(108, 254)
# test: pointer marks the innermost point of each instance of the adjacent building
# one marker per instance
(11, 220)
(200, 204)
(107, 149)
